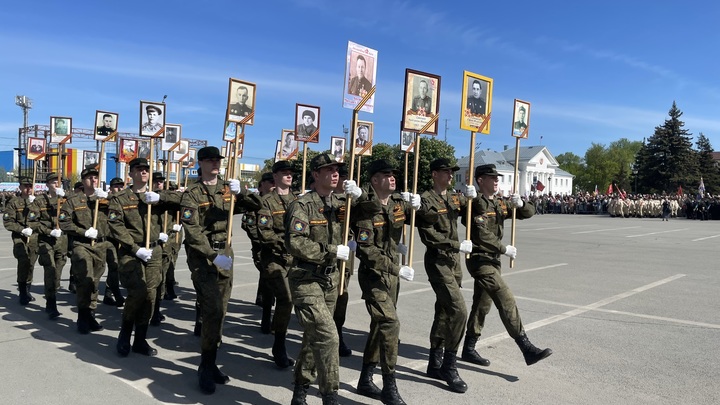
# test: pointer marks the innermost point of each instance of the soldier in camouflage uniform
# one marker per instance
(377, 248)
(21, 217)
(442, 264)
(89, 246)
(275, 259)
(205, 209)
(314, 238)
(53, 243)
(113, 295)
(486, 225)
(140, 264)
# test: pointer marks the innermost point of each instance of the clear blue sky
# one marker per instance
(593, 71)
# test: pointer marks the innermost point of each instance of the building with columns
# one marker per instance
(538, 171)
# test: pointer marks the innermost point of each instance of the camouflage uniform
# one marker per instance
(265, 296)
(53, 251)
(20, 214)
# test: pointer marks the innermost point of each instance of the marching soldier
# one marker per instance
(486, 224)
(21, 217)
(170, 249)
(113, 295)
(340, 313)
(204, 212)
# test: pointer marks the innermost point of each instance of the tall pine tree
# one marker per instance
(706, 165)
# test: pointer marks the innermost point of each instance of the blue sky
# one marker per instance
(593, 71)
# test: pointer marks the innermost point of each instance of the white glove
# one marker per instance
(402, 249)
(27, 232)
(177, 227)
(466, 246)
(415, 201)
(31, 198)
(351, 189)
(234, 186)
(91, 233)
(181, 189)
(510, 251)
(515, 198)
(407, 273)
(223, 262)
(163, 237)
(144, 254)
(470, 192)
(100, 193)
(60, 192)
(406, 196)
(56, 233)
(343, 252)
(151, 197)
(352, 245)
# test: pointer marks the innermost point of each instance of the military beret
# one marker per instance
(308, 113)
(209, 152)
(153, 107)
(488, 170)
(381, 166)
(441, 164)
(139, 162)
(323, 160)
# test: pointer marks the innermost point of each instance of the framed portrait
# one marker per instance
(106, 124)
(143, 150)
(278, 148)
(61, 130)
(191, 159)
(152, 119)
(360, 76)
(289, 145)
(307, 123)
(476, 103)
(230, 131)
(181, 152)
(521, 119)
(241, 102)
(128, 150)
(422, 100)
(337, 148)
(363, 138)
(36, 148)
(91, 157)
(173, 135)
(407, 141)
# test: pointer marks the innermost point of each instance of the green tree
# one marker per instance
(706, 165)
(623, 152)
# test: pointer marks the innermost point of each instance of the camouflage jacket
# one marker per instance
(270, 226)
(48, 207)
(76, 217)
(437, 220)
(20, 214)
(486, 228)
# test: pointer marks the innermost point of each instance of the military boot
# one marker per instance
(343, 350)
(93, 323)
(23, 291)
(266, 321)
(299, 395)
(434, 363)
(140, 344)
(280, 353)
(51, 308)
(119, 299)
(330, 398)
(449, 373)
(197, 331)
(83, 321)
(123, 343)
(170, 293)
(157, 317)
(108, 298)
(30, 297)
(469, 353)
(366, 386)
(531, 353)
(390, 394)
(71, 285)
(205, 372)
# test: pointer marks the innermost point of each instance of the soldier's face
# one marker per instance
(116, 188)
(152, 116)
(283, 178)
(210, 166)
(52, 185)
(26, 190)
(140, 174)
(266, 187)
(307, 120)
(442, 178)
(326, 178)
(383, 181)
(159, 185)
(487, 185)
(90, 182)
(242, 95)
(521, 113)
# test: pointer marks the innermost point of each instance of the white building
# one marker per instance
(536, 165)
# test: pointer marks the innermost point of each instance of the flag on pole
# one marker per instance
(680, 192)
(540, 186)
(610, 189)
(701, 187)
(596, 190)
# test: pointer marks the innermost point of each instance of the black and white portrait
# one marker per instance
(60, 129)
(363, 138)
(90, 158)
(406, 141)
(105, 124)
(172, 136)
(307, 121)
(241, 102)
(337, 148)
(152, 118)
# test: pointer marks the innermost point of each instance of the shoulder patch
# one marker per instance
(6, 216)
(32, 215)
(298, 225)
(250, 220)
(263, 219)
(187, 213)
(479, 220)
(363, 235)
(62, 216)
(113, 215)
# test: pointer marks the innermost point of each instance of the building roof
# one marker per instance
(484, 157)
(528, 153)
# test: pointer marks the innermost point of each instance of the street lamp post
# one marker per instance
(25, 103)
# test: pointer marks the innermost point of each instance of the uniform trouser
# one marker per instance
(169, 257)
(141, 281)
(275, 275)
(340, 312)
(490, 287)
(213, 288)
(380, 295)
(112, 281)
(52, 256)
(88, 264)
(25, 251)
(445, 276)
(313, 297)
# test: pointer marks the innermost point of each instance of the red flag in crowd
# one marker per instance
(540, 186)
(610, 189)
(680, 192)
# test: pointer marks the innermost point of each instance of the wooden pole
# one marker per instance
(405, 188)
(233, 156)
(61, 148)
(470, 179)
(97, 200)
(148, 219)
(515, 190)
(304, 173)
(177, 215)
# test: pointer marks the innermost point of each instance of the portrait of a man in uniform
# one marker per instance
(241, 101)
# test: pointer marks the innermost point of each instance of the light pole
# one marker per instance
(26, 104)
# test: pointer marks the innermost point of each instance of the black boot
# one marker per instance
(343, 350)
(157, 317)
(205, 372)
(23, 291)
(30, 297)
(366, 386)
(119, 299)
(449, 373)
(434, 363)
(51, 308)
(123, 343)
(71, 285)
(531, 353)
(469, 353)
(390, 394)
(266, 321)
(197, 331)
(140, 344)
(83, 321)
(108, 298)
(280, 353)
(299, 395)
(330, 398)
(93, 323)
(170, 291)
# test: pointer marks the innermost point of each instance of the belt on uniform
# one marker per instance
(218, 245)
(152, 245)
(83, 239)
(317, 268)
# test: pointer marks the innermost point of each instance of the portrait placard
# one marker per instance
(289, 146)
(422, 100)
(476, 103)
(190, 161)
(173, 135)
(241, 102)
(90, 157)
(278, 149)
(307, 121)
(407, 141)
(230, 131)
(61, 130)
(521, 119)
(128, 150)
(106, 124)
(36, 148)
(143, 150)
(152, 119)
(181, 152)
(360, 76)
(363, 138)
(337, 148)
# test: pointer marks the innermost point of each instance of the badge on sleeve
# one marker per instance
(62, 216)
(263, 219)
(187, 214)
(6, 216)
(113, 215)
(363, 235)
(299, 226)
(32, 215)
